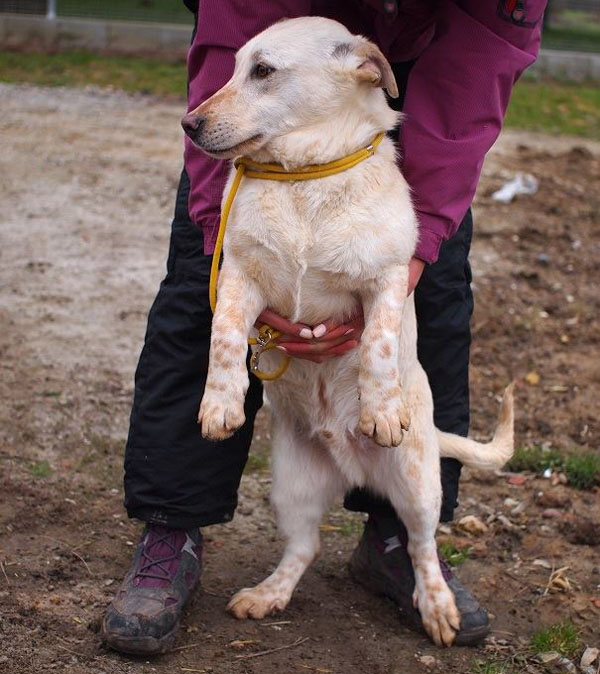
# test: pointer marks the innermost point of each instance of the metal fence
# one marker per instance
(569, 24)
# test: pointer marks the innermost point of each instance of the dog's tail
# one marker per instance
(484, 455)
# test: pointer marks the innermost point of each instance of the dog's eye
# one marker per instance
(260, 71)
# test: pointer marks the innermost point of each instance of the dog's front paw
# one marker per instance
(439, 614)
(386, 422)
(257, 602)
(220, 416)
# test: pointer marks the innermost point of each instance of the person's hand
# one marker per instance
(415, 269)
(329, 339)
(326, 340)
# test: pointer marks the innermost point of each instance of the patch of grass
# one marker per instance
(170, 11)
(583, 470)
(535, 459)
(555, 107)
(258, 461)
(453, 555)
(578, 30)
(481, 667)
(80, 68)
(106, 445)
(41, 469)
(561, 637)
(344, 523)
(352, 527)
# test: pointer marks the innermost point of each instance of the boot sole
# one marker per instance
(139, 645)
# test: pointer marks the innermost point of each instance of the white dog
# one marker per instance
(306, 91)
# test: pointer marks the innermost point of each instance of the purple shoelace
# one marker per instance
(160, 557)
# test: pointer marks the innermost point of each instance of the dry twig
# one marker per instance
(272, 650)
(184, 648)
(4, 573)
(79, 655)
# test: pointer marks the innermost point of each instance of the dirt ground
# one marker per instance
(87, 180)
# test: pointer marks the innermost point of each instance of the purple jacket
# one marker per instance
(469, 53)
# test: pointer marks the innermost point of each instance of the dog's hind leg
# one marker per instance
(410, 479)
(305, 483)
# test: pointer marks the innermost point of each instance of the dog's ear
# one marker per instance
(374, 67)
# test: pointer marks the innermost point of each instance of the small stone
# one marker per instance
(551, 513)
(517, 480)
(518, 509)
(552, 499)
(506, 523)
(429, 661)
(582, 531)
(544, 563)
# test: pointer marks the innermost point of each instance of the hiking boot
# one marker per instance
(381, 564)
(144, 615)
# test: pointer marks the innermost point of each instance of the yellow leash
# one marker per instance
(267, 336)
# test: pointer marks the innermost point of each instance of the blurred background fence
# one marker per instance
(568, 25)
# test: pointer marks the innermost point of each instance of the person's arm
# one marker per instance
(223, 26)
(456, 98)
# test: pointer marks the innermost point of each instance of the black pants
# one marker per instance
(175, 477)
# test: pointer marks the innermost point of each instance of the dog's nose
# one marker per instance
(192, 124)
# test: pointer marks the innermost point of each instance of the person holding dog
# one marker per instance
(455, 62)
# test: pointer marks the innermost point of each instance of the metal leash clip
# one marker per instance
(264, 339)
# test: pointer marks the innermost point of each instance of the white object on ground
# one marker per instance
(522, 183)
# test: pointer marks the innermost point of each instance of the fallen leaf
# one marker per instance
(472, 525)
(589, 655)
(242, 643)
(329, 527)
(558, 581)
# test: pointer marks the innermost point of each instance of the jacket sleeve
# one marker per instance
(223, 26)
(456, 98)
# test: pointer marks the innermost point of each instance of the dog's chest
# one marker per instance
(304, 246)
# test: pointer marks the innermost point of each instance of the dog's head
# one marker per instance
(296, 74)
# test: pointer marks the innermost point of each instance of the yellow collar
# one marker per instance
(263, 171)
